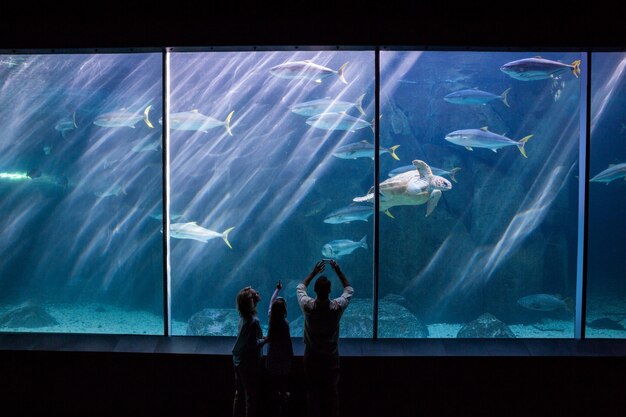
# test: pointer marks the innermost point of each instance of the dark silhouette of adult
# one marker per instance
(321, 337)
(247, 354)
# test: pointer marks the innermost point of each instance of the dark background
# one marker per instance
(432, 23)
(138, 384)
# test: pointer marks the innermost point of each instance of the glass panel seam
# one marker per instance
(583, 202)
(376, 242)
(167, 282)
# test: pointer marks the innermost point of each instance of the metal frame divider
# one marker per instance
(165, 142)
(583, 202)
(376, 243)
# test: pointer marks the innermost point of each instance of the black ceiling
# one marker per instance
(437, 24)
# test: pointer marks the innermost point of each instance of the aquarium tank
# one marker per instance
(268, 150)
(81, 193)
(273, 156)
(606, 287)
(486, 244)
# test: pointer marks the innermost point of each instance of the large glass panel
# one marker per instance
(80, 183)
(483, 238)
(606, 261)
(265, 146)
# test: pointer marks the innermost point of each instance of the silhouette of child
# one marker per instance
(279, 351)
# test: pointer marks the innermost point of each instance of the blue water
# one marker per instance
(606, 261)
(506, 229)
(61, 242)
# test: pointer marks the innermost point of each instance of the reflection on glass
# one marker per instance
(268, 150)
(479, 236)
(606, 291)
(80, 187)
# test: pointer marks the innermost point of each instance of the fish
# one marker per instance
(338, 121)
(123, 118)
(159, 216)
(349, 214)
(545, 302)
(557, 88)
(106, 164)
(65, 125)
(34, 173)
(47, 149)
(537, 68)
(613, 172)
(196, 121)
(363, 149)
(146, 146)
(326, 105)
(483, 138)
(317, 206)
(399, 121)
(112, 191)
(436, 171)
(605, 323)
(14, 61)
(62, 181)
(193, 231)
(335, 249)
(307, 70)
(476, 96)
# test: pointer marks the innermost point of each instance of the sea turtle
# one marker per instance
(410, 188)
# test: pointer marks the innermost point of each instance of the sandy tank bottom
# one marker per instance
(100, 318)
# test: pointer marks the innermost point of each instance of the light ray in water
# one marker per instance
(70, 223)
(469, 265)
(261, 175)
(603, 94)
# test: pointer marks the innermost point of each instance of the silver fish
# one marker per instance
(317, 206)
(146, 146)
(483, 138)
(613, 172)
(123, 118)
(337, 248)
(326, 105)
(193, 231)
(363, 149)
(545, 302)
(159, 216)
(338, 121)
(14, 61)
(65, 125)
(436, 171)
(537, 68)
(349, 214)
(193, 120)
(307, 70)
(476, 97)
(112, 191)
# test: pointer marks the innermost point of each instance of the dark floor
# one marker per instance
(144, 377)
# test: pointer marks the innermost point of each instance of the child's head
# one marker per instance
(279, 309)
(247, 300)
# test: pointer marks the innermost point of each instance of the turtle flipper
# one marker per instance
(422, 168)
(435, 196)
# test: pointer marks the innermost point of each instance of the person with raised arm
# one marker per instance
(321, 336)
